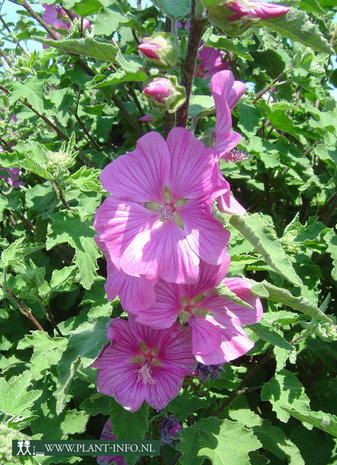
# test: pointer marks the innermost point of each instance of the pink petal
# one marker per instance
(118, 379)
(224, 88)
(235, 343)
(177, 348)
(119, 223)
(241, 287)
(162, 252)
(210, 276)
(206, 337)
(164, 312)
(134, 293)
(142, 174)
(118, 331)
(235, 93)
(206, 235)
(227, 140)
(230, 205)
(167, 386)
(193, 166)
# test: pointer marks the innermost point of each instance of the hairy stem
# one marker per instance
(14, 299)
(59, 191)
(187, 69)
(263, 91)
(243, 383)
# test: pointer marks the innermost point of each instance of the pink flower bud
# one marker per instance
(149, 49)
(256, 10)
(146, 118)
(159, 89)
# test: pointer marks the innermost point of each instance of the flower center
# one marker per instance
(147, 359)
(190, 308)
(165, 212)
(144, 374)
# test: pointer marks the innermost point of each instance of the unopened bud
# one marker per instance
(236, 17)
(161, 50)
(165, 93)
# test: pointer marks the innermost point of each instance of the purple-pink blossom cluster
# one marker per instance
(166, 253)
(56, 16)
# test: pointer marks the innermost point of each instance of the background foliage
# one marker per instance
(73, 116)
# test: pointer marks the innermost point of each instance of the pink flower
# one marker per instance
(149, 49)
(136, 293)
(211, 61)
(159, 222)
(215, 322)
(107, 434)
(143, 364)
(256, 10)
(13, 179)
(159, 89)
(226, 92)
(57, 17)
(146, 118)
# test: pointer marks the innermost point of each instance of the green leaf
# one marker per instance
(283, 296)
(129, 63)
(87, 179)
(32, 89)
(111, 18)
(185, 404)
(201, 105)
(263, 237)
(272, 437)
(84, 345)
(249, 118)
(223, 442)
(269, 334)
(3, 205)
(128, 425)
(175, 9)
(95, 404)
(322, 420)
(230, 45)
(285, 390)
(87, 7)
(117, 77)
(75, 228)
(225, 292)
(47, 351)
(89, 47)
(62, 279)
(331, 240)
(58, 426)
(17, 251)
(15, 398)
(296, 25)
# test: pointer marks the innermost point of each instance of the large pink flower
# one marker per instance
(107, 434)
(159, 222)
(142, 363)
(215, 322)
